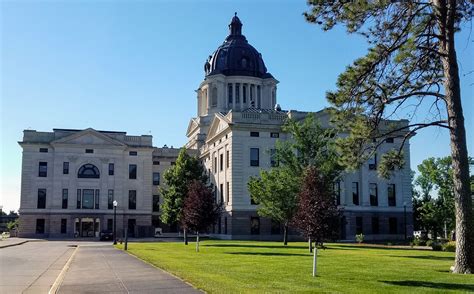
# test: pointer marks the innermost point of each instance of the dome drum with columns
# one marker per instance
(236, 77)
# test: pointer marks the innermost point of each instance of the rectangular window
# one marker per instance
(355, 193)
(65, 198)
(254, 225)
(392, 201)
(273, 159)
(375, 225)
(254, 134)
(43, 169)
(156, 179)
(89, 150)
(156, 162)
(156, 203)
(40, 226)
(78, 203)
(110, 224)
(373, 162)
(221, 162)
(259, 97)
(43, 150)
(227, 194)
(111, 169)
(110, 199)
(132, 199)
(374, 198)
(173, 163)
(252, 96)
(225, 225)
(389, 140)
(244, 93)
(215, 164)
(222, 192)
(275, 229)
(65, 168)
(237, 93)
(97, 198)
(41, 199)
(87, 199)
(392, 225)
(359, 225)
(254, 157)
(230, 92)
(275, 135)
(227, 159)
(63, 226)
(337, 192)
(133, 153)
(132, 171)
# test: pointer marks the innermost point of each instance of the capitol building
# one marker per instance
(70, 178)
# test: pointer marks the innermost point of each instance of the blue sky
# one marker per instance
(134, 65)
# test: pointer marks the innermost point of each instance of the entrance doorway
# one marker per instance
(87, 227)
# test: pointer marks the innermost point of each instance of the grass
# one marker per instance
(257, 267)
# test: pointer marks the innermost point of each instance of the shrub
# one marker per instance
(419, 242)
(436, 246)
(360, 238)
(429, 243)
(450, 246)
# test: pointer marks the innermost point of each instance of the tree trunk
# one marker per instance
(310, 245)
(285, 234)
(464, 261)
(197, 242)
(185, 236)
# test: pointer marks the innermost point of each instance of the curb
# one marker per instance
(57, 283)
(20, 243)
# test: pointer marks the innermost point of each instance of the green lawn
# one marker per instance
(257, 267)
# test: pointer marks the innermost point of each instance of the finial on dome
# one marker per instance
(235, 26)
(235, 13)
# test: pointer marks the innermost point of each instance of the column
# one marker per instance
(241, 98)
(233, 96)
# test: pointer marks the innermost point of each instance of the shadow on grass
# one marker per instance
(255, 246)
(351, 247)
(267, 253)
(434, 285)
(431, 257)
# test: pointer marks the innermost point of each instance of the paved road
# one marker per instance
(106, 269)
(32, 267)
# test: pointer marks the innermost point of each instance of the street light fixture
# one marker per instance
(115, 221)
(405, 218)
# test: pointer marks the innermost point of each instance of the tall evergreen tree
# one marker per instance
(411, 66)
(177, 179)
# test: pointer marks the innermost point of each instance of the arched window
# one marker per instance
(88, 171)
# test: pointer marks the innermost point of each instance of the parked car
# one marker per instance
(106, 235)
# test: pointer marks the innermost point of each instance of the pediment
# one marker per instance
(219, 124)
(193, 124)
(88, 137)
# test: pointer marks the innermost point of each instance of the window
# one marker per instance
(156, 203)
(219, 225)
(132, 199)
(89, 150)
(132, 171)
(275, 135)
(254, 225)
(273, 159)
(214, 97)
(97, 199)
(355, 193)
(227, 159)
(373, 162)
(221, 161)
(65, 168)
(389, 140)
(111, 169)
(87, 199)
(88, 171)
(78, 203)
(43, 150)
(41, 199)
(254, 134)
(259, 97)
(225, 225)
(252, 96)
(254, 157)
(156, 179)
(173, 163)
(237, 93)
(359, 229)
(375, 225)
(391, 195)
(244, 93)
(133, 153)
(392, 225)
(110, 199)
(65, 198)
(156, 163)
(40, 226)
(275, 230)
(110, 224)
(221, 186)
(43, 169)
(63, 226)
(227, 194)
(229, 92)
(374, 199)
(337, 192)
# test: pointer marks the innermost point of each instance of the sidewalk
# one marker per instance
(99, 269)
(13, 241)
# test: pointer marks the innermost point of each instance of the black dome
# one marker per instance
(236, 57)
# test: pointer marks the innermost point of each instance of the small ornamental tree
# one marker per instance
(317, 216)
(200, 209)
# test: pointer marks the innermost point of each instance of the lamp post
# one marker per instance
(115, 221)
(405, 218)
